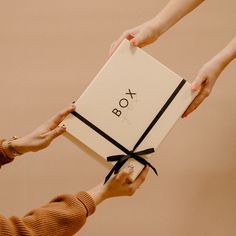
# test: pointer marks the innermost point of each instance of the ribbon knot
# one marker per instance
(121, 159)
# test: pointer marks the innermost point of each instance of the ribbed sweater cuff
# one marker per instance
(87, 201)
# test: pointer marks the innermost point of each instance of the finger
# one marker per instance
(55, 133)
(198, 85)
(111, 50)
(203, 94)
(115, 45)
(140, 178)
(59, 117)
(139, 40)
(142, 45)
(123, 175)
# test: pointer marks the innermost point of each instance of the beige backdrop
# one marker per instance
(49, 53)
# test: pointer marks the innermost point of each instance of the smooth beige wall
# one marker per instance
(49, 53)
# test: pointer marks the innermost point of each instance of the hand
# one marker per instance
(209, 73)
(41, 137)
(139, 36)
(118, 185)
(204, 83)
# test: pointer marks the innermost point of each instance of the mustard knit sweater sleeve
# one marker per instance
(64, 215)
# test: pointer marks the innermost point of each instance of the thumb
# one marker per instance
(197, 83)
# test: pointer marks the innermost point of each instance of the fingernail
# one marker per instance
(131, 166)
(134, 42)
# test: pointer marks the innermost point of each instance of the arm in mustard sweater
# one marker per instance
(66, 214)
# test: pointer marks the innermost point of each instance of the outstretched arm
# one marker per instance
(209, 73)
(39, 139)
(151, 30)
(66, 214)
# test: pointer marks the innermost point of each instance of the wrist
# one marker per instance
(220, 61)
(224, 57)
(10, 149)
(98, 193)
(157, 25)
(20, 146)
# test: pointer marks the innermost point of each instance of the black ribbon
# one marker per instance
(121, 159)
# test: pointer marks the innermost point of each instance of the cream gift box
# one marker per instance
(133, 101)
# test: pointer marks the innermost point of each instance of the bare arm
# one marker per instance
(209, 73)
(39, 139)
(151, 30)
(173, 12)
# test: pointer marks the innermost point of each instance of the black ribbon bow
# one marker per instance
(121, 159)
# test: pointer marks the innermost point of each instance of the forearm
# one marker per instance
(64, 215)
(172, 13)
(225, 56)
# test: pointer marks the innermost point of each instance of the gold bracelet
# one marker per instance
(4, 158)
(11, 148)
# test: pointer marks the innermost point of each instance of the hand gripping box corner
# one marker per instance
(134, 100)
